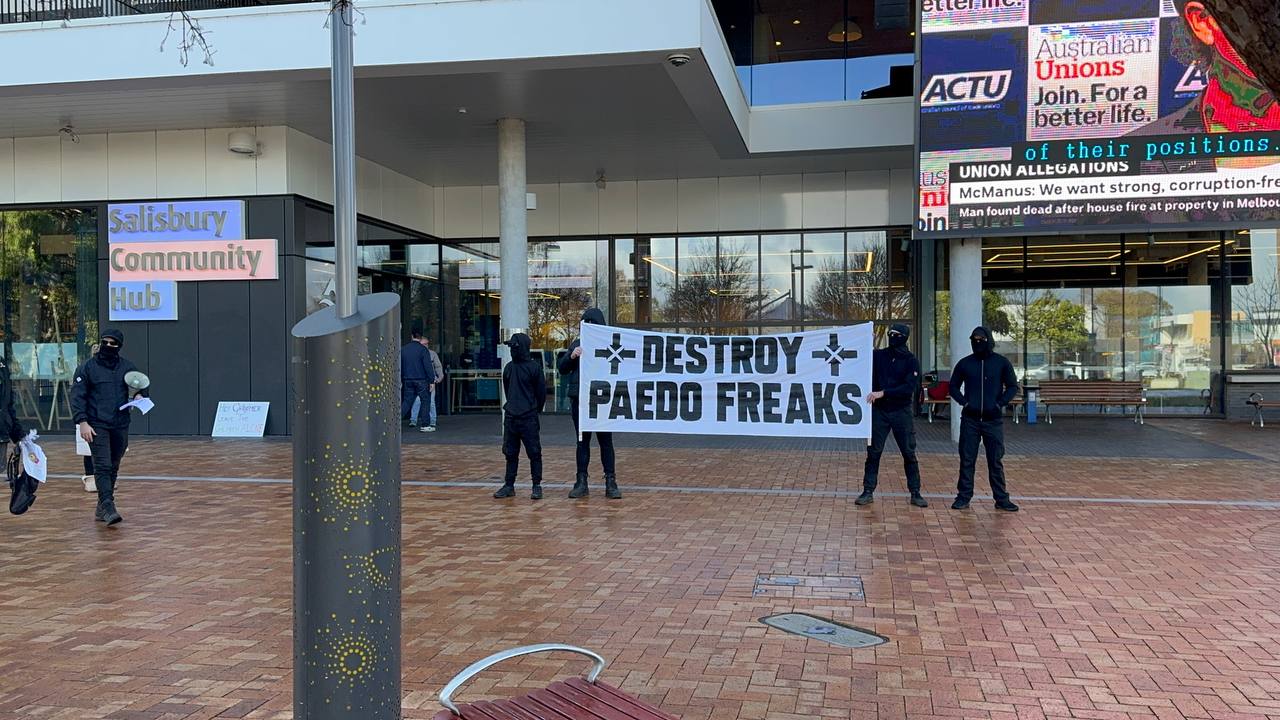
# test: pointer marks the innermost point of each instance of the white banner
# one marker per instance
(810, 384)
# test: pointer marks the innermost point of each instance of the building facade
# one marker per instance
(713, 167)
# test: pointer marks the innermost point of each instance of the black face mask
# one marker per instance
(981, 346)
(897, 340)
(109, 352)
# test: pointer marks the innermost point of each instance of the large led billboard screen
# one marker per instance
(1054, 116)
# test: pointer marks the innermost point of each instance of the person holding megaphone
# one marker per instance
(103, 385)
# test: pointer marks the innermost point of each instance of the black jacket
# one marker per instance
(10, 428)
(984, 386)
(522, 380)
(99, 391)
(415, 362)
(897, 373)
(568, 365)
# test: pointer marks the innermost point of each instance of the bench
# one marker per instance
(1258, 403)
(937, 397)
(576, 699)
(1094, 392)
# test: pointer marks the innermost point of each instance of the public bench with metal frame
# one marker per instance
(930, 403)
(1103, 393)
(576, 699)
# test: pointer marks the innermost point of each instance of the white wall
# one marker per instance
(138, 166)
(196, 163)
(689, 205)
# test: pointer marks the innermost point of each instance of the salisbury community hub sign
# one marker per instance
(154, 246)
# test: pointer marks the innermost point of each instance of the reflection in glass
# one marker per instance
(655, 280)
(781, 265)
(1255, 299)
(48, 279)
(693, 298)
(821, 265)
(737, 288)
(562, 284)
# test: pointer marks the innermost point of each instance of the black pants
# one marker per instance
(903, 427)
(517, 430)
(108, 447)
(605, 439)
(88, 465)
(412, 390)
(991, 434)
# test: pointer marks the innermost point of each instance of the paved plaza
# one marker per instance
(1141, 579)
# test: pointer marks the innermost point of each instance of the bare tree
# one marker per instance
(713, 288)
(1260, 303)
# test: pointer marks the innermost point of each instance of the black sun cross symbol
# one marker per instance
(835, 354)
(615, 354)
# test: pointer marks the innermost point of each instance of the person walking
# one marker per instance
(10, 429)
(568, 367)
(526, 391)
(437, 377)
(983, 384)
(416, 377)
(895, 380)
(98, 393)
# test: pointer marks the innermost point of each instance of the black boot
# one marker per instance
(580, 488)
(97, 514)
(106, 511)
(537, 492)
(506, 491)
(918, 500)
(866, 498)
(611, 490)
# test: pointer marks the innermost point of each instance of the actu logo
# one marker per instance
(1193, 80)
(966, 88)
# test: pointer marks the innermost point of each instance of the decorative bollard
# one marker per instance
(346, 513)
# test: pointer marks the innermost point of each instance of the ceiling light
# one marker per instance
(845, 31)
(462, 111)
(777, 43)
(795, 22)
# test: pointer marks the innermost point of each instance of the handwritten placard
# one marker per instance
(241, 419)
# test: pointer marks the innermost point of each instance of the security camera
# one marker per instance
(679, 59)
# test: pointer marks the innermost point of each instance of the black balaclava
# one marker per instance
(109, 356)
(898, 335)
(981, 342)
(519, 344)
(593, 316)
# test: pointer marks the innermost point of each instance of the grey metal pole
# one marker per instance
(346, 467)
(965, 257)
(342, 89)
(513, 236)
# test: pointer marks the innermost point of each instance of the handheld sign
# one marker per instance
(810, 384)
(241, 419)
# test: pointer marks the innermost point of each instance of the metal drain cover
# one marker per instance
(830, 631)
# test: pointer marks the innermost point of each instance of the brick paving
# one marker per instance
(1074, 608)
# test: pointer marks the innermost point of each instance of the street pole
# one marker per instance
(346, 466)
(342, 95)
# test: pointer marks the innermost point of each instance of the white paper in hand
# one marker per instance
(82, 445)
(143, 404)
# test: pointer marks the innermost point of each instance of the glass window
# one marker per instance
(693, 301)
(1168, 311)
(737, 286)
(804, 51)
(1255, 299)
(781, 267)
(48, 278)
(822, 276)
(655, 280)
(562, 284)
(624, 281)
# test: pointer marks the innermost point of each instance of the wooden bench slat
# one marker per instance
(590, 708)
(577, 689)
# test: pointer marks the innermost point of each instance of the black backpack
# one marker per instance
(22, 485)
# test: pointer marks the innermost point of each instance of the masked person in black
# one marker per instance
(983, 384)
(526, 390)
(96, 397)
(568, 367)
(10, 428)
(895, 379)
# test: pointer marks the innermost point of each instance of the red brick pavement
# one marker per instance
(1066, 610)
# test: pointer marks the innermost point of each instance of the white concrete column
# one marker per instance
(513, 228)
(965, 261)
